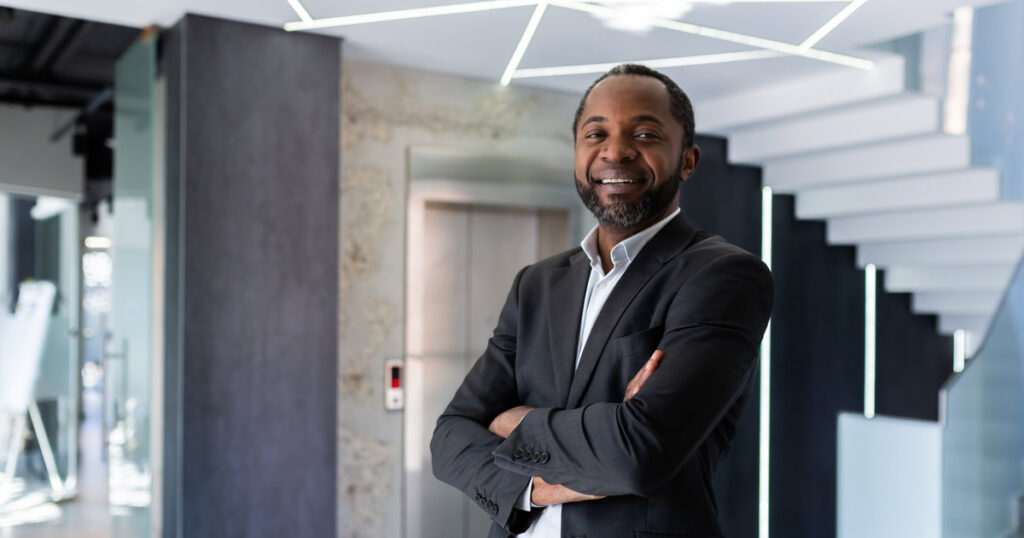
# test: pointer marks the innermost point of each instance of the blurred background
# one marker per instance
(249, 249)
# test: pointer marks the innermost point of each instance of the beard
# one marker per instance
(622, 214)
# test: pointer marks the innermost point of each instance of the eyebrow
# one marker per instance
(647, 117)
(636, 119)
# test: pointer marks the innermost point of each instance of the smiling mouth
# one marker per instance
(616, 180)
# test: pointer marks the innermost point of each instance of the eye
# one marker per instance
(648, 135)
(593, 134)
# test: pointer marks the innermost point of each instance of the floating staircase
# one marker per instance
(860, 152)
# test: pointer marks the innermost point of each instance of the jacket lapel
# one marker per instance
(564, 311)
(669, 241)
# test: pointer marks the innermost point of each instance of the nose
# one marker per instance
(618, 149)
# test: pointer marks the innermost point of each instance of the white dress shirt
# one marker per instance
(599, 287)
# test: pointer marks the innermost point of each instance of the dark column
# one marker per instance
(253, 168)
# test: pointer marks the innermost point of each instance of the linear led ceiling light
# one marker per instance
(300, 10)
(660, 63)
(402, 14)
(733, 37)
(524, 42)
(805, 49)
(832, 24)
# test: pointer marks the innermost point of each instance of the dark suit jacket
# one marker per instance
(703, 302)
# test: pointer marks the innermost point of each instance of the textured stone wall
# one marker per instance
(385, 112)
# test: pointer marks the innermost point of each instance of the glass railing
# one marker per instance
(983, 438)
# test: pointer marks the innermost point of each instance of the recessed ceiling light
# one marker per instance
(733, 37)
(401, 14)
(660, 63)
(634, 15)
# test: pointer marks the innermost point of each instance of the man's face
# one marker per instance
(629, 153)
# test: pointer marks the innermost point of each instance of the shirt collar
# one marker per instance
(627, 249)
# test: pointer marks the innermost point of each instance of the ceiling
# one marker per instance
(58, 61)
(480, 44)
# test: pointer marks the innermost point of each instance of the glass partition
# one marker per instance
(39, 344)
(129, 355)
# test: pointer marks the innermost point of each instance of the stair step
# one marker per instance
(958, 251)
(948, 324)
(973, 185)
(895, 158)
(956, 302)
(973, 250)
(983, 219)
(980, 278)
(837, 87)
(899, 116)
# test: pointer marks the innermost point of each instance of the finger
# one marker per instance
(649, 367)
(655, 359)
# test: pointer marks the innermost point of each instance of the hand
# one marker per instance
(503, 424)
(641, 376)
(545, 494)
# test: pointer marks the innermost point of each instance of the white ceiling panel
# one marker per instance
(451, 44)
(703, 82)
(787, 22)
(567, 37)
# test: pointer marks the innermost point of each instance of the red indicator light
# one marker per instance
(395, 379)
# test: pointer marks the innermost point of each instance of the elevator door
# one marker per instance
(470, 255)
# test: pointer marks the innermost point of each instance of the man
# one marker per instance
(563, 427)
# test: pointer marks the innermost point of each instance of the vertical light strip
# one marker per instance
(959, 350)
(832, 24)
(958, 78)
(766, 375)
(870, 285)
(300, 10)
(524, 42)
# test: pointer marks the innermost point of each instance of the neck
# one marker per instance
(609, 236)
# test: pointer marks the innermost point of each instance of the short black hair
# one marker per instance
(679, 103)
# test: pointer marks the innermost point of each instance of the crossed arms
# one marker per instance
(542, 493)
(712, 329)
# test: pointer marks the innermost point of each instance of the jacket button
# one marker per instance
(544, 457)
(518, 453)
(535, 457)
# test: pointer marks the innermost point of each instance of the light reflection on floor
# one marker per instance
(88, 514)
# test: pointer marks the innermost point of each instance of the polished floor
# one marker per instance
(88, 514)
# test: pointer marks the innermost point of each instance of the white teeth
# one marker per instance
(618, 180)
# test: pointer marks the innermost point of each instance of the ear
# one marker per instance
(691, 157)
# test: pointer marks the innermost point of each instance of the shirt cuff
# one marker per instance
(523, 501)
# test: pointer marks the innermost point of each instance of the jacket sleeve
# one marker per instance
(712, 334)
(461, 447)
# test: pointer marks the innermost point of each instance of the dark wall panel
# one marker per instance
(817, 369)
(258, 151)
(912, 361)
(726, 200)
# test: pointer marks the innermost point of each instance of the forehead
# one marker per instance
(629, 95)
